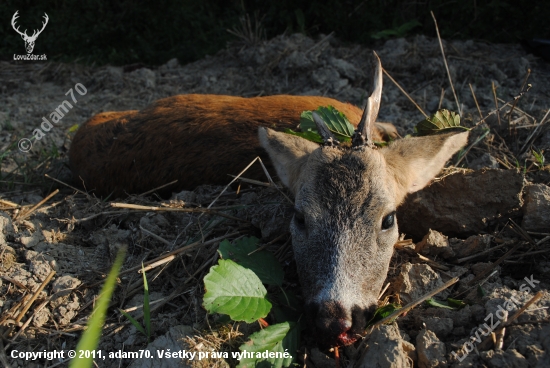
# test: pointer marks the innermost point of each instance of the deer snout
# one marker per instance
(334, 325)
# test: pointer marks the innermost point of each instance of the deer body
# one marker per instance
(195, 139)
(344, 225)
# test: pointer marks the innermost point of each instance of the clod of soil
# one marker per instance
(463, 203)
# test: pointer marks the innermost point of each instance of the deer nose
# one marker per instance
(336, 331)
(332, 324)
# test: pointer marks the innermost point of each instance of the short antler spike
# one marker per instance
(363, 133)
(324, 132)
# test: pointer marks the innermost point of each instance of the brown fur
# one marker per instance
(196, 139)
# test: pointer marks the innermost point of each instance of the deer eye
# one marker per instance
(388, 221)
(299, 217)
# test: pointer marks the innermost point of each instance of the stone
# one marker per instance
(534, 354)
(461, 204)
(440, 326)
(31, 240)
(345, 68)
(8, 257)
(386, 349)
(188, 197)
(41, 317)
(435, 244)
(320, 359)
(472, 245)
(417, 280)
(64, 285)
(536, 209)
(171, 341)
(484, 161)
(478, 268)
(145, 77)
(431, 351)
(7, 231)
(510, 358)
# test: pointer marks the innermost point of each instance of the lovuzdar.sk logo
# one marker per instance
(29, 40)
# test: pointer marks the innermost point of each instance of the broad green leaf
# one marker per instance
(336, 122)
(263, 263)
(236, 291)
(90, 338)
(287, 307)
(309, 135)
(383, 312)
(443, 121)
(272, 339)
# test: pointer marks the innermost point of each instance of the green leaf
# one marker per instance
(272, 339)
(435, 303)
(383, 312)
(480, 291)
(455, 303)
(288, 307)
(400, 31)
(309, 135)
(90, 338)
(236, 291)
(443, 121)
(263, 263)
(73, 128)
(336, 122)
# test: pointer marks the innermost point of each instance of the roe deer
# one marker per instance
(196, 139)
(344, 225)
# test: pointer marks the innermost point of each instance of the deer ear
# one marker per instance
(415, 161)
(288, 153)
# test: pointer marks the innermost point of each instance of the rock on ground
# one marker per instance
(462, 203)
(171, 341)
(510, 358)
(536, 210)
(387, 349)
(431, 351)
(417, 280)
(435, 244)
(484, 161)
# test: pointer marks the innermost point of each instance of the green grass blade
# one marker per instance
(90, 338)
(136, 324)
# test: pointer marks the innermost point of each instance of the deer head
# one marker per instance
(29, 40)
(344, 224)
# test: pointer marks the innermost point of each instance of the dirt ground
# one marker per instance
(500, 188)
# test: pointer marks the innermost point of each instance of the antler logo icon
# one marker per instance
(29, 40)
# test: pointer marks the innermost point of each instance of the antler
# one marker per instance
(363, 133)
(34, 35)
(15, 16)
(324, 132)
